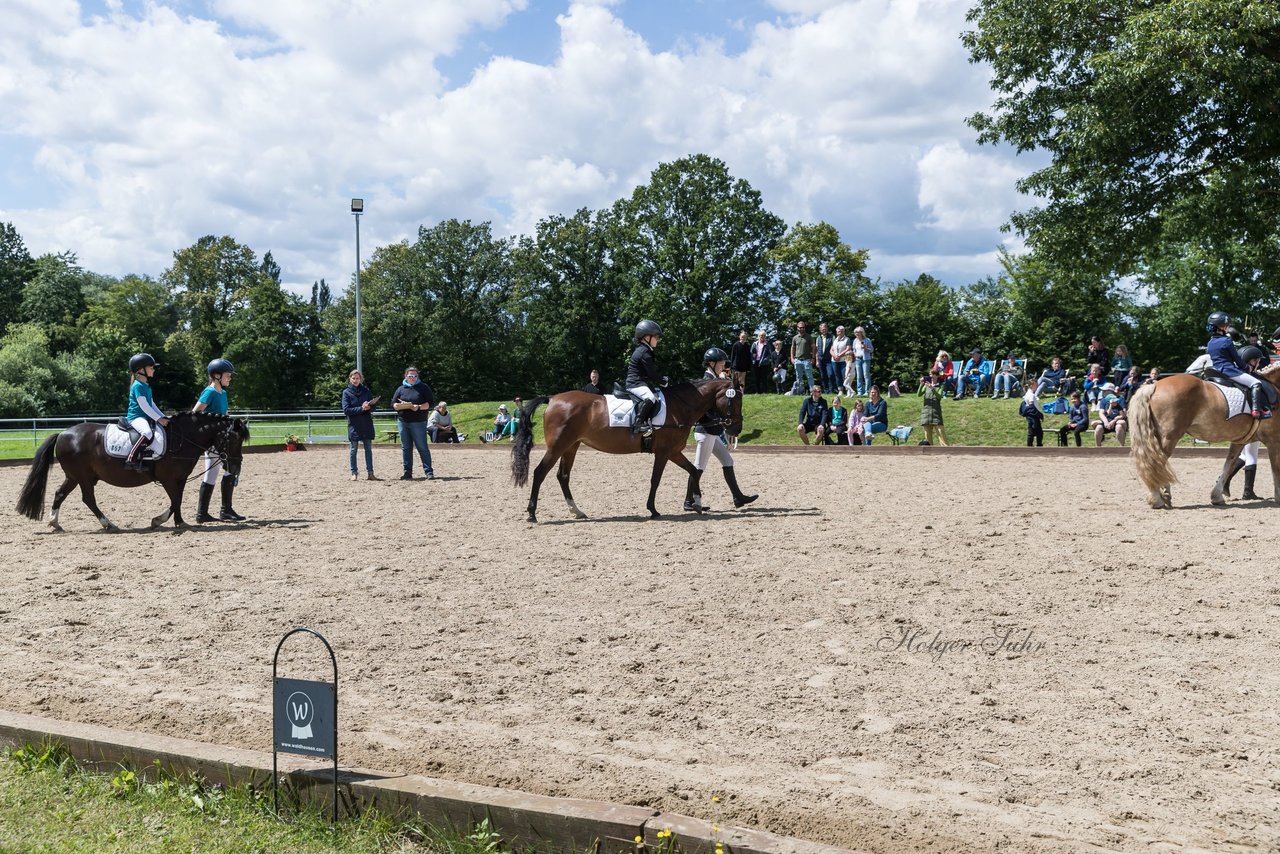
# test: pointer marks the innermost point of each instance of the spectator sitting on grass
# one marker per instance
(1093, 385)
(837, 419)
(855, 430)
(504, 424)
(971, 375)
(875, 415)
(1111, 417)
(1077, 420)
(1009, 378)
(1130, 383)
(1054, 378)
(440, 425)
(813, 415)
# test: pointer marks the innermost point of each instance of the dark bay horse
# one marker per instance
(1161, 413)
(84, 462)
(575, 418)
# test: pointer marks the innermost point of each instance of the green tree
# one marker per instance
(691, 250)
(822, 278)
(16, 267)
(31, 380)
(914, 324)
(565, 303)
(1160, 120)
(271, 340)
(52, 298)
(210, 281)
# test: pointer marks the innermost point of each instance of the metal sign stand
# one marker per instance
(296, 733)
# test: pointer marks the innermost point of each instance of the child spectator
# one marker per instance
(1130, 383)
(1121, 362)
(1093, 386)
(931, 412)
(1077, 420)
(1111, 417)
(837, 418)
(855, 424)
(1035, 419)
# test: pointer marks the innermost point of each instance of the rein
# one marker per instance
(217, 446)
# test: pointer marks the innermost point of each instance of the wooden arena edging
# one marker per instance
(524, 821)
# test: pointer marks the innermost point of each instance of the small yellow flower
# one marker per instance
(639, 839)
(715, 797)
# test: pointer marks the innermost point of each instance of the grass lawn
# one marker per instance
(769, 419)
(48, 803)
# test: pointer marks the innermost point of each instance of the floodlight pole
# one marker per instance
(357, 208)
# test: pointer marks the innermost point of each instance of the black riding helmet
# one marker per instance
(220, 366)
(1216, 320)
(714, 354)
(1249, 352)
(140, 361)
(646, 328)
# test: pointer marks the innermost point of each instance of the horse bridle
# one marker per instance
(720, 419)
(218, 447)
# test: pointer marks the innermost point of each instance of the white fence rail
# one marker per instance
(24, 435)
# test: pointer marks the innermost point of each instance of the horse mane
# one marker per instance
(204, 415)
(1270, 369)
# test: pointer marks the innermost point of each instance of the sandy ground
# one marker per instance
(778, 658)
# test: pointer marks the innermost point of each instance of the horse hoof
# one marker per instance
(56, 527)
(532, 518)
(579, 515)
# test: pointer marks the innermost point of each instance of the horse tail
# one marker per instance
(1148, 451)
(31, 499)
(524, 441)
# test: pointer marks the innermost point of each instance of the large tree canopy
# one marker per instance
(1162, 120)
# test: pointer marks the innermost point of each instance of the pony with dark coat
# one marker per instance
(80, 452)
(575, 418)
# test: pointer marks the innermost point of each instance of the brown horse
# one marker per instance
(84, 462)
(1162, 412)
(575, 418)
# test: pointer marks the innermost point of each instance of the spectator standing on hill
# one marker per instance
(1008, 378)
(740, 360)
(593, 385)
(862, 350)
(358, 404)
(1077, 420)
(801, 356)
(413, 400)
(761, 364)
(1030, 410)
(822, 358)
(1121, 362)
(779, 368)
(813, 415)
(1097, 354)
(875, 414)
(841, 359)
(931, 410)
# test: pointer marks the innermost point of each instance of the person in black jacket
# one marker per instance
(643, 378)
(740, 359)
(594, 387)
(414, 400)
(813, 415)
(761, 364)
(1030, 410)
(358, 405)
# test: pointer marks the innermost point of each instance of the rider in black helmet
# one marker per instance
(1248, 459)
(707, 434)
(1227, 362)
(642, 376)
(214, 399)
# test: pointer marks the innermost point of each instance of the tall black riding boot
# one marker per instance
(645, 410)
(228, 513)
(1258, 402)
(739, 500)
(693, 494)
(202, 512)
(1250, 472)
(1235, 468)
(134, 460)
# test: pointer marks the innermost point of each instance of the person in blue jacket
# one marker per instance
(1226, 361)
(358, 404)
(142, 413)
(214, 399)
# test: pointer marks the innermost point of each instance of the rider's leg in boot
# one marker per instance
(134, 460)
(1258, 402)
(645, 410)
(228, 513)
(1235, 468)
(739, 500)
(202, 511)
(1250, 472)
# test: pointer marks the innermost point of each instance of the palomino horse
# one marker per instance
(1162, 412)
(576, 418)
(84, 461)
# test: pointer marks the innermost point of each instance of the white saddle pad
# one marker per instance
(622, 412)
(1235, 398)
(116, 443)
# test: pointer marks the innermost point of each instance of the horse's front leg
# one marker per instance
(1217, 497)
(174, 490)
(659, 463)
(1273, 454)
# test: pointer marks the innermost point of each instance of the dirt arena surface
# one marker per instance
(777, 658)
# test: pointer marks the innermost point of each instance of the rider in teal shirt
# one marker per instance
(142, 412)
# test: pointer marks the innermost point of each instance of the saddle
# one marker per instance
(1226, 386)
(622, 409)
(119, 438)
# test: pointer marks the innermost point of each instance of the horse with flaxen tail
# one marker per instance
(575, 418)
(81, 453)
(1163, 412)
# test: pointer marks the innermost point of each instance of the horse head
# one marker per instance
(723, 399)
(221, 434)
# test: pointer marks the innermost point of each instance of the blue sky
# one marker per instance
(134, 128)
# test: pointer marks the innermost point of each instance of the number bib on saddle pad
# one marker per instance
(117, 442)
(622, 411)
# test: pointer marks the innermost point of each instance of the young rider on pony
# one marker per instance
(643, 377)
(707, 433)
(1227, 362)
(142, 412)
(214, 399)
